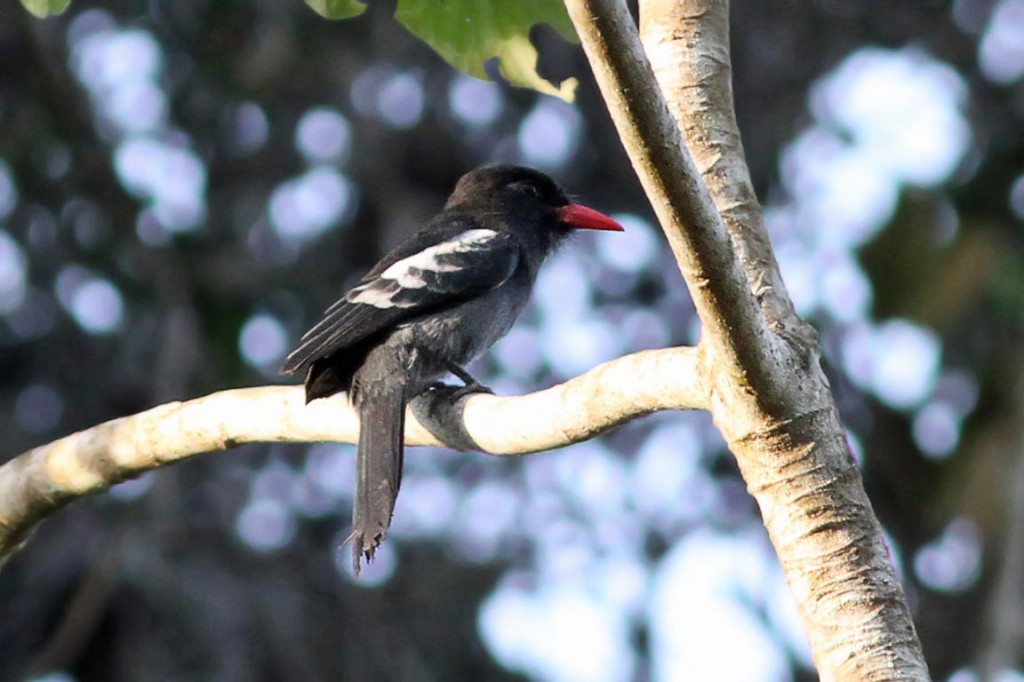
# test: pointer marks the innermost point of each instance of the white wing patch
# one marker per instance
(408, 272)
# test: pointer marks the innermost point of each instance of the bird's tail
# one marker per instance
(378, 468)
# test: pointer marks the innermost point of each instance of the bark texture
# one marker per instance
(768, 395)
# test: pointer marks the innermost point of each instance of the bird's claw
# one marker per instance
(469, 389)
(471, 384)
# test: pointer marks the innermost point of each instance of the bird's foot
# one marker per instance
(471, 384)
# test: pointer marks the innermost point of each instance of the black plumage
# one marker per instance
(429, 307)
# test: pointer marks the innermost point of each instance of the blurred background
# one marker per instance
(184, 186)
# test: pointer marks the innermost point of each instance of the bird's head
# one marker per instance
(524, 196)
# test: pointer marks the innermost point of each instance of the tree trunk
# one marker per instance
(769, 395)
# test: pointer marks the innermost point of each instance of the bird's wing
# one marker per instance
(417, 279)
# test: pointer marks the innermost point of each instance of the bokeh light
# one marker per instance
(169, 175)
(1001, 53)
(475, 102)
(564, 634)
(12, 274)
(249, 128)
(266, 525)
(700, 599)
(322, 135)
(952, 561)
(903, 110)
(39, 408)
(263, 340)
(94, 303)
(548, 136)
(307, 206)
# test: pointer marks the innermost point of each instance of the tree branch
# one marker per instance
(687, 42)
(41, 481)
(732, 322)
(769, 395)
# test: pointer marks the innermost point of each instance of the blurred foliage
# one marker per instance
(467, 33)
(951, 270)
(337, 9)
(44, 8)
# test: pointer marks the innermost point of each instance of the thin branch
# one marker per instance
(733, 326)
(40, 481)
(687, 42)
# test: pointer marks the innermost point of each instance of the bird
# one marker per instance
(432, 305)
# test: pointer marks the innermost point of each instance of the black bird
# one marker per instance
(429, 307)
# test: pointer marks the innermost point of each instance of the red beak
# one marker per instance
(583, 218)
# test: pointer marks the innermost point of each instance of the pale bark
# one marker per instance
(697, 84)
(40, 481)
(769, 396)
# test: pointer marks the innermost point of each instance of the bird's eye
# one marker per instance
(525, 188)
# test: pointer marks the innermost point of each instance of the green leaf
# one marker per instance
(335, 9)
(469, 32)
(45, 8)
